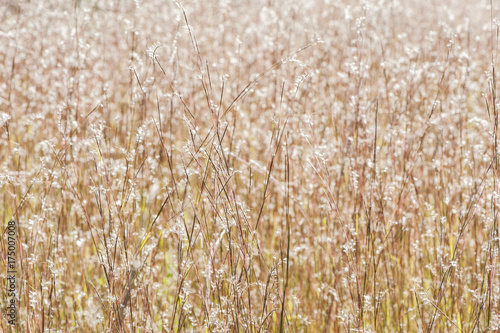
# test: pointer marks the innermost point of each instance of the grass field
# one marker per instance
(251, 166)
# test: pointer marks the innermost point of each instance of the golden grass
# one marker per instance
(289, 166)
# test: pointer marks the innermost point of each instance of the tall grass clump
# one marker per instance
(231, 166)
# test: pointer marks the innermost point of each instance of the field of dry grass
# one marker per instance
(251, 166)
